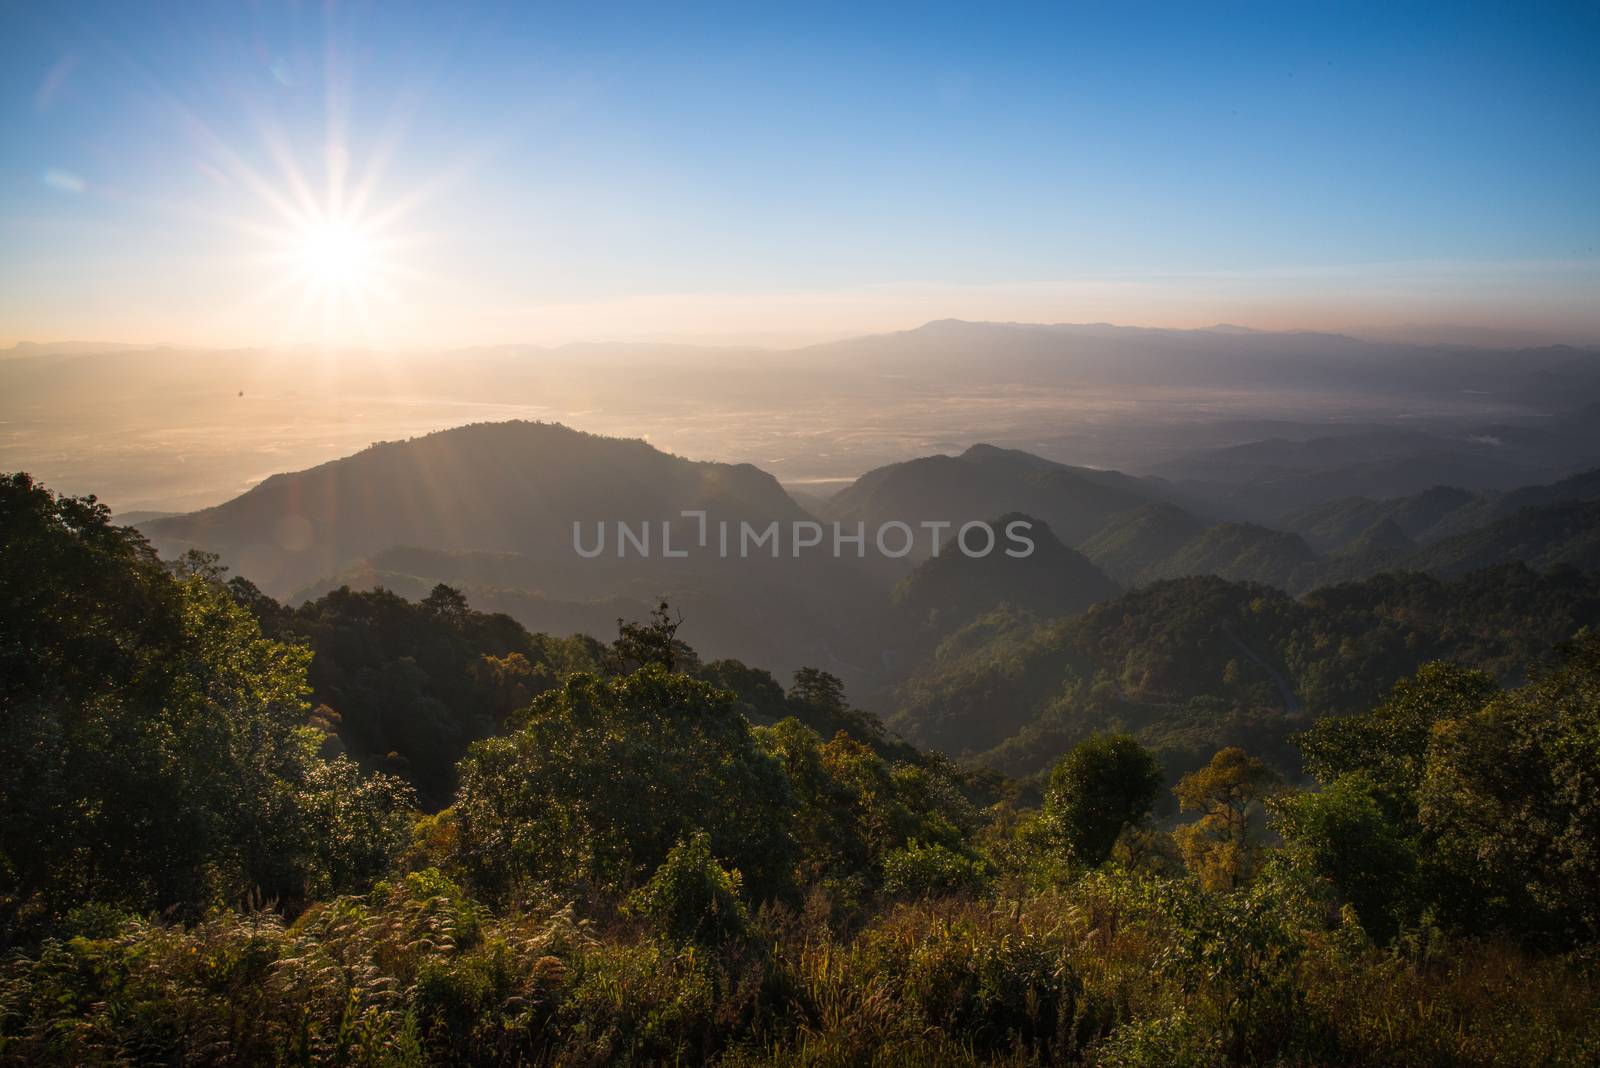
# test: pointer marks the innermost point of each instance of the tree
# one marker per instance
(1389, 744)
(1455, 800)
(654, 642)
(818, 700)
(854, 810)
(446, 604)
(414, 683)
(760, 696)
(1222, 847)
(605, 775)
(1344, 834)
(1509, 806)
(692, 898)
(821, 692)
(154, 751)
(1106, 783)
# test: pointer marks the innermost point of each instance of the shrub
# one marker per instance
(919, 870)
(692, 898)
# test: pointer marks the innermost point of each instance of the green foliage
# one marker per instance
(760, 696)
(1109, 970)
(1240, 951)
(1223, 846)
(412, 973)
(1389, 744)
(925, 870)
(1105, 784)
(354, 824)
(853, 808)
(999, 985)
(411, 685)
(1193, 665)
(1488, 796)
(1510, 804)
(809, 891)
(1344, 833)
(1177, 1040)
(653, 642)
(153, 753)
(605, 776)
(692, 898)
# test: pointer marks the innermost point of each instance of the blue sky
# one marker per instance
(708, 171)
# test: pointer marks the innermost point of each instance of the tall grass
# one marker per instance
(1109, 970)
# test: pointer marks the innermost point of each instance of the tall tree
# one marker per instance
(1223, 845)
(652, 642)
(1106, 783)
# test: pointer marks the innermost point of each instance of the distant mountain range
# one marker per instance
(1242, 552)
(1242, 425)
(1547, 536)
(1191, 664)
(1130, 542)
(1130, 528)
(1435, 513)
(1275, 478)
(491, 508)
(1101, 353)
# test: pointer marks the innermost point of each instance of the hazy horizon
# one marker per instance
(180, 428)
(1444, 334)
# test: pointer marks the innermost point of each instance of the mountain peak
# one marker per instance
(985, 481)
(515, 486)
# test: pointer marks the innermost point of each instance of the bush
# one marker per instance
(919, 870)
(692, 898)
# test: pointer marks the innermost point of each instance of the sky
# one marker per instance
(403, 175)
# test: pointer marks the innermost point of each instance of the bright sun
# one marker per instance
(330, 256)
(336, 256)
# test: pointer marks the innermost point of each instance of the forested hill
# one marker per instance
(492, 487)
(494, 509)
(1192, 664)
(948, 590)
(984, 482)
(405, 687)
(1436, 513)
(979, 658)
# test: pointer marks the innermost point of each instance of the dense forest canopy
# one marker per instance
(1357, 827)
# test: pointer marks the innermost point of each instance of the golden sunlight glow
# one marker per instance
(329, 256)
